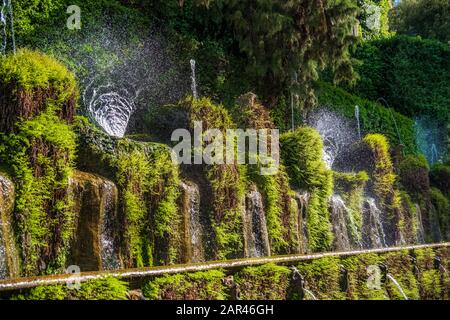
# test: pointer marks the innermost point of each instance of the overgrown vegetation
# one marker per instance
(302, 154)
(206, 285)
(38, 144)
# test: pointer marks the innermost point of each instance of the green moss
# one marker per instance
(323, 278)
(440, 177)
(31, 70)
(267, 282)
(102, 289)
(351, 187)
(191, 286)
(363, 283)
(414, 174)
(148, 183)
(301, 152)
(400, 266)
(429, 277)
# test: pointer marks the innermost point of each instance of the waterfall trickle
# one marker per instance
(109, 254)
(420, 236)
(194, 79)
(111, 106)
(192, 223)
(358, 121)
(373, 231)
(6, 12)
(257, 237)
(302, 200)
(338, 215)
(96, 202)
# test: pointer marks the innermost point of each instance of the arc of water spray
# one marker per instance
(399, 287)
(393, 118)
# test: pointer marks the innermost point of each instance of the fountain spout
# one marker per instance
(296, 275)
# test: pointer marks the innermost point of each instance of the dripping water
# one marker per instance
(194, 79)
(338, 218)
(420, 229)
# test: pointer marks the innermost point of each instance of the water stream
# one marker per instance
(373, 231)
(399, 287)
(192, 221)
(7, 28)
(256, 227)
(109, 252)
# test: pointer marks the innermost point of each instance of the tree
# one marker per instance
(285, 40)
(425, 18)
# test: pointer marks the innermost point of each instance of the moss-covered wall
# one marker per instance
(148, 184)
(37, 145)
(421, 273)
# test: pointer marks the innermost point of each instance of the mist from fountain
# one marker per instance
(337, 132)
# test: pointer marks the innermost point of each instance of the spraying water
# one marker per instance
(6, 12)
(337, 132)
(399, 287)
(431, 137)
(297, 275)
(194, 79)
(110, 106)
(358, 121)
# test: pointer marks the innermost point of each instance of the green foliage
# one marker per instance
(190, 286)
(148, 183)
(442, 207)
(425, 18)
(301, 152)
(374, 117)
(414, 174)
(271, 35)
(383, 174)
(32, 70)
(266, 282)
(101, 289)
(440, 178)
(351, 187)
(411, 74)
